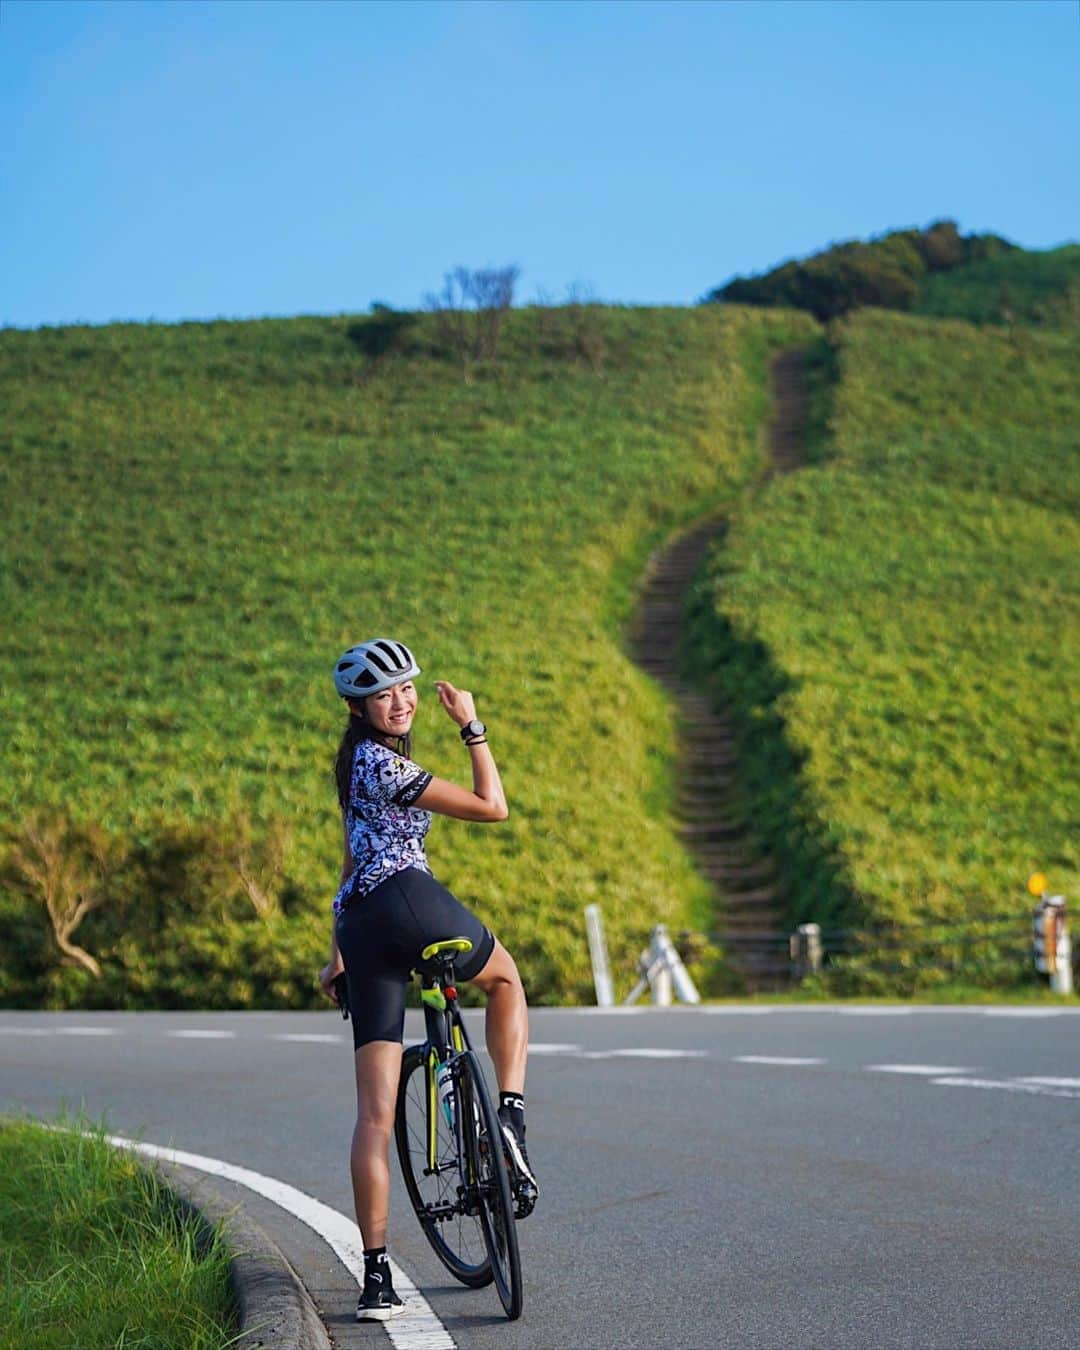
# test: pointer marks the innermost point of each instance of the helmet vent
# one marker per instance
(372, 666)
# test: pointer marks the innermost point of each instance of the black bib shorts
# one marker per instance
(381, 935)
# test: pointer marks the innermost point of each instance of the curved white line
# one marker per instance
(418, 1328)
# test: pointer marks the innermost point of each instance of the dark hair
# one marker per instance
(358, 729)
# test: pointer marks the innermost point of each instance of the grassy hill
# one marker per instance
(198, 518)
(937, 271)
(1016, 287)
(899, 625)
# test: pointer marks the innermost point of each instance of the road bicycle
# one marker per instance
(449, 1143)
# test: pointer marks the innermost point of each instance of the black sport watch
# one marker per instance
(473, 729)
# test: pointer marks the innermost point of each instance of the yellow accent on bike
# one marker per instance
(433, 949)
(457, 1038)
(434, 998)
(433, 1109)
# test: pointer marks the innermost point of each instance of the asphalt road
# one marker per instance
(745, 1177)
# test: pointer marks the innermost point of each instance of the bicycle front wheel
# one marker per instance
(443, 1199)
(486, 1164)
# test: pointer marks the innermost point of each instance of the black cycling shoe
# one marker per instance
(522, 1178)
(378, 1302)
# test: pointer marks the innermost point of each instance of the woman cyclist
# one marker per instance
(389, 907)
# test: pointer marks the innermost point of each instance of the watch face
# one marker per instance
(475, 728)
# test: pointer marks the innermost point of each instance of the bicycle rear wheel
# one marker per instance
(483, 1146)
(444, 1202)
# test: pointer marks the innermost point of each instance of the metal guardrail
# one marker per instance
(993, 945)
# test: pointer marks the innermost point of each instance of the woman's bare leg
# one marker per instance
(378, 1068)
(506, 1024)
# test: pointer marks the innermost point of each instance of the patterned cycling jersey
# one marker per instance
(386, 832)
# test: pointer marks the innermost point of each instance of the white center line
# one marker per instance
(643, 1054)
(194, 1034)
(86, 1031)
(927, 1070)
(310, 1037)
(1052, 1082)
(1022, 1012)
(657, 1054)
(553, 1048)
(795, 1060)
(1011, 1085)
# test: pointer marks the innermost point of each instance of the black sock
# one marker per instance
(376, 1266)
(512, 1105)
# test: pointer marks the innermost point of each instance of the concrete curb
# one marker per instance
(276, 1311)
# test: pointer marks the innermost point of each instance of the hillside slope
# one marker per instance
(1041, 288)
(937, 271)
(200, 517)
(907, 610)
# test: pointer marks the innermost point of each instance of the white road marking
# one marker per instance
(654, 1054)
(1052, 1082)
(86, 1031)
(553, 1048)
(794, 1060)
(927, 1070)
(312, 1037)
(1024, 1012)
(26, 1031)
(195, 1034)
(1007, 1085)
(417, 1328)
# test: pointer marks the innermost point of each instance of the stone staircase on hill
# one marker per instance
(749, 904)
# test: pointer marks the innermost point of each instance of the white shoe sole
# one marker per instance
(525, 1172)
(378, 1314)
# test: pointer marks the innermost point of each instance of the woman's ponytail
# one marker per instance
(356, 730)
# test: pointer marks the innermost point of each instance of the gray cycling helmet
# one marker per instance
(372, 666)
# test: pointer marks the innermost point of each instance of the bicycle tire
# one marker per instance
(439, 1201)
(483, 1146)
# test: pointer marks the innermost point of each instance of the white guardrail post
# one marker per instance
(1052, 944)
(662, 969)
(601, 972)
(804, 947)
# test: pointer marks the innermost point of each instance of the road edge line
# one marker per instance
(418, 1328)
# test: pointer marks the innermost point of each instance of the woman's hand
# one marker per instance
(458, 703)
(328, 975)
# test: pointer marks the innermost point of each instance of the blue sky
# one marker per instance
(172, 159)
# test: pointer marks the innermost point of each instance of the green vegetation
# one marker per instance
(898, 626)
(94, 1250)
(890, 271)
(1015, 288)
(200, 517)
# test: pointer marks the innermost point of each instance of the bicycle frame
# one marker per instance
(446, 1037)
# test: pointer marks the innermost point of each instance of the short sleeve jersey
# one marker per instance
(386, 832)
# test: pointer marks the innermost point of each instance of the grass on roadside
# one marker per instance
(94, 1250)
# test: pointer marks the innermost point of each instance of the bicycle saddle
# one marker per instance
(446, 950)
